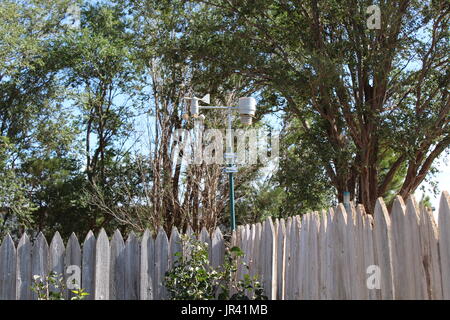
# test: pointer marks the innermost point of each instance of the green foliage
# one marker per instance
(191, 277)
(52, 287)
(368, 108)
(15, 206)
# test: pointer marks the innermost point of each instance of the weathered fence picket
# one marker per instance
(175, 246)
(342, 253)
(383, 249)
(88, 265)
(7, 269)
(218, 248)
(430, 253)
(102, 267)
(72, 266)
(322, 242)
(329, 277)
(161, 264)
(415, 254)
(147, 270)
(39, 259)
(23, 269)
(444, 243)
(56, 259)
(281, 258)
(132, 268)
(117, 267)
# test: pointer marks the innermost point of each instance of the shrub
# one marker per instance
(192, 278)
(52, 287)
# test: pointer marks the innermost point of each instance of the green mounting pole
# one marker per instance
(232, 213)
(231, 169)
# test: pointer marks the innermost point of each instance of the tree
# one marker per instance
(35, 128)
(168, 192)
(102, 81)
(373, 102)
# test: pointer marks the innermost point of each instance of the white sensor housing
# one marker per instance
(247, 109)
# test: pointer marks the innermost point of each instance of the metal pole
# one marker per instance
(232, 213)
(230, 175)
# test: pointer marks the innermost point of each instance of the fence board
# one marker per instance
(252, 249)
(56, 258)
(39, 259)
(88, 265)
(382, 244)
(205, 238)
(294, 263)
(415, 255)
(23, 269)
(287, 290)
(147, 270)
(240, 241)
(430, 253)
(313, 244)
(161, 264)
(281, 258)
(269, 259)
(330, 256)
(361, 287)
(251, 236)
(342, 253)
(257, 270)
(322, 255)
(402, 273)
(102, 266)
(247, 247)
(175, 246)
(352, 276)
(132, 267)
(444, 243)
(117, 267)
(218, 248)
(72, 265)
(369, 255)
(7, 269)
(303, 258)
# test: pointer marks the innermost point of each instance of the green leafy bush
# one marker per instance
(192, 278)
(52, 287)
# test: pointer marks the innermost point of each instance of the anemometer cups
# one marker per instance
(247, 109)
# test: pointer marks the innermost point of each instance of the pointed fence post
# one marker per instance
(430, 253)
(117, 267)
(88, 265)
(102, 267)
(161, 264)
(218, 248)
(23, 270)
(132, 267)
(444, 243)
(383, 249)
(147, 286)
(7, 269)
(72, 266)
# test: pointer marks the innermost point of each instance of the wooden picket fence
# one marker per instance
(334, 254)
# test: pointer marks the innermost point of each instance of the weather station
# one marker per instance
(246, 108)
